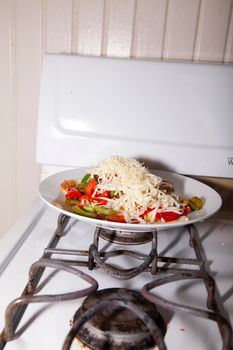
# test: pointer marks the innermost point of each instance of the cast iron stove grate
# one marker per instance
(151, 328)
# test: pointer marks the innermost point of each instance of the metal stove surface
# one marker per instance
(46, 325)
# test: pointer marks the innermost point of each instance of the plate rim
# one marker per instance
(127, 226)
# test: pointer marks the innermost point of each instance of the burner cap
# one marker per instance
(125, 237)
(116, 327)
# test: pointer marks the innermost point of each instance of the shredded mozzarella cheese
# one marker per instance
(137, 189)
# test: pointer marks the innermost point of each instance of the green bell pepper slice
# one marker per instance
(82, 212)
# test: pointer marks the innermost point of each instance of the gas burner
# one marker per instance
(125, 237)
(117, 318)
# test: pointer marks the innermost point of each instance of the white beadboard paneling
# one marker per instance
(150, 20)
(213, 29)
(7, 119)
(58, 22)
(180, 33)
(88, 17)
(118, 27)
(27, 82)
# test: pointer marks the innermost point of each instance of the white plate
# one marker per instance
(49, 191)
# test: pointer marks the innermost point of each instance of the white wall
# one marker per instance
(194, 30)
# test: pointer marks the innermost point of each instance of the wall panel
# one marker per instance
(88, 18)
(181, 27)
(58, 26)
(7, 117)
(150, 23)
(119, 24)
(229, 46)
(27, 81)
(213, 29)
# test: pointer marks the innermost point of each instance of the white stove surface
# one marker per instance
(51, 322)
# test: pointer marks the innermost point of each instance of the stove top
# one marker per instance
(45, 325)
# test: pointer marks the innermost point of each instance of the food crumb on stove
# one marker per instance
(182, 329)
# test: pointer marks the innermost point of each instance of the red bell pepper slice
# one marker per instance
(73, 193)
(117, 218)
(90, 187)
(186, 210)
(102, 201)
(85, 199)
(147, 211)
(101, 216)
(168, 216)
